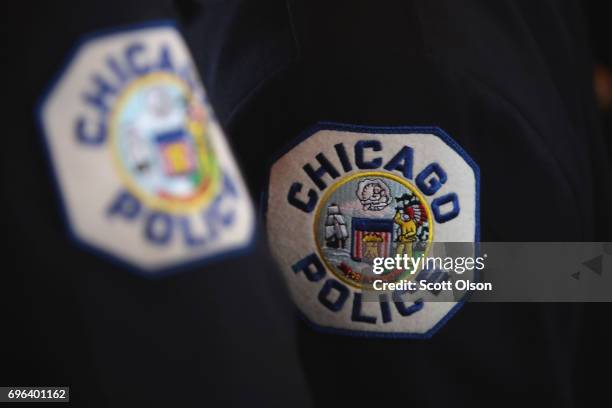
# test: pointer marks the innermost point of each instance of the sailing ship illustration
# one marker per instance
(336, 233)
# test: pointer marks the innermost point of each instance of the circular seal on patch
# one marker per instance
(371, 215)
(144, 171)
(346, 199)
(162, 149)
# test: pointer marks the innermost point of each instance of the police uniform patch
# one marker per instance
(143, 168)
(344, 195)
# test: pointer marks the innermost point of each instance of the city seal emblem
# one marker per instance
(144, 171)
(345, 196)
(387, 217)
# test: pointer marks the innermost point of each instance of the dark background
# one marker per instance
(71, 319)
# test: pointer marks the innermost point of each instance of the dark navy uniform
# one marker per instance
(510, 81)
(219, 334)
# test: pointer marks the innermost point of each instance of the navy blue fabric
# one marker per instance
(511, 82)
(216, 335)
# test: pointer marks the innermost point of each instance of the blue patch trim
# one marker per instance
(81, 244)
(434, 130)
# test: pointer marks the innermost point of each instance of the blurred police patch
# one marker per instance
(344, 195)
(142, 166)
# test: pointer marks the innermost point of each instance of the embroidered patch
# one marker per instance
(143, 168)
(344, 195)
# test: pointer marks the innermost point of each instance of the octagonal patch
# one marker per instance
(343, 196)
(144, 171)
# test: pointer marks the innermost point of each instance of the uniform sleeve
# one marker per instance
(500, 78)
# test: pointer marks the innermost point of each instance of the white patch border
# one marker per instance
(247, 247)
(344, 127)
